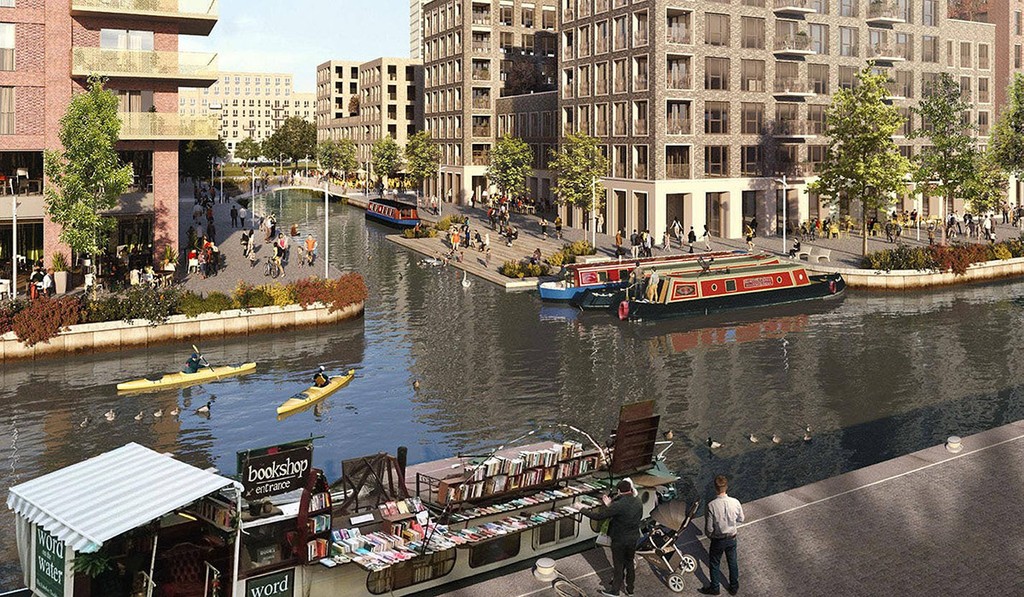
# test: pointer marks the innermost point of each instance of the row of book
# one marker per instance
(500, 465)
(577, 488)
(399, 507)
(319, 501)
(471, 490)
(319, 523)
(316, 549)
(510, 524)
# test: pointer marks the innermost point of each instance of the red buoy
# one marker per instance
(624, 310)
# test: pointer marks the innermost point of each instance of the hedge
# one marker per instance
(956, 257)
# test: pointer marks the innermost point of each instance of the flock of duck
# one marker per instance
(111, 415)
(776, 439)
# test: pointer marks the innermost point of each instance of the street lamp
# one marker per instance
(326, 229)
(252, 193)
(785, 201)
(280, 164)
(593, 212)
(14, 246)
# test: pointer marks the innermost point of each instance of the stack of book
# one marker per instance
(319, 523)
(319, 501)
(578, 488)
(397, 508)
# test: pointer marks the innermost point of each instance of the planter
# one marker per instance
(60, 282)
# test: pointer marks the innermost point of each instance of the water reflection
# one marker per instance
(877, 376)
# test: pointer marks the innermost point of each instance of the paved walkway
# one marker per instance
(929, 523)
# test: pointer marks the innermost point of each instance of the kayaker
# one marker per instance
(321, 379)
(194, 363)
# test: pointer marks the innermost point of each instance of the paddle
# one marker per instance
(203, 359)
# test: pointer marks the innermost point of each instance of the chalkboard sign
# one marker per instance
(275, 470)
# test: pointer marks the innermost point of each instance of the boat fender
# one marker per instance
(624, 310)
(832, 286)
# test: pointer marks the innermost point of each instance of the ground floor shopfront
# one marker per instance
(460, 184)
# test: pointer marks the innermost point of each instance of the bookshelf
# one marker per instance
(502, 476)
(314, 520)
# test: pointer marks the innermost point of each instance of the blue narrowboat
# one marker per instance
(392, 213)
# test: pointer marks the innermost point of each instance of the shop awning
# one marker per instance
(98, 499)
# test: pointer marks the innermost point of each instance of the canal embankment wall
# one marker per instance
(918, 280)
(117, 335)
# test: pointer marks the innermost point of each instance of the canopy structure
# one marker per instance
(98, 499)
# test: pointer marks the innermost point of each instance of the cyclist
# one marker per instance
(310, 249)
(279, 258)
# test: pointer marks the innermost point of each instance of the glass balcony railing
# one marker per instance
(194, 17)
(146, 126)
(186, 67)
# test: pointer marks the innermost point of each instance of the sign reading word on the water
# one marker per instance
(272, 585)
(49, 564)
(275, 470)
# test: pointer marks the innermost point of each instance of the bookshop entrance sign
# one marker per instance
(275, 470)
(281, 584)
(49, 564)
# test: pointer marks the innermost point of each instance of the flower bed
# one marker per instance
(955, 258)
(42, 319)
(523, 269)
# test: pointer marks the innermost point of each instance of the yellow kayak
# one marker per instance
(184, 379)
(307, 397)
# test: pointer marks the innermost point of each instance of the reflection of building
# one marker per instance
(249, 105)
(46, 53)
(389, 96)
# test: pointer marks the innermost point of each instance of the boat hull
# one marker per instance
(592, 299)
(556, 293)
(393, 222)
(314, 394)
(184, 379)
(821, 287)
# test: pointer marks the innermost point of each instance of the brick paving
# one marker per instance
(928, 523)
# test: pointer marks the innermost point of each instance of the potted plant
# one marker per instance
(59, 263)
(169, 260)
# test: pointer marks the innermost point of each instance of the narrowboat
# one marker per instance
(612, 273)
(604, 298)
(706, 292)
(392, 213)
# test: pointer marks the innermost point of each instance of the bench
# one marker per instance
(818, 255)
(804, 252)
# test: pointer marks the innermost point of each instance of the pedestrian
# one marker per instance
(558, 227)
(242, 215)
(46, 285)
(691, 237)
(665, 243)
(544, 227)
(677, 231)
(707, 238)
(723, 515)
(618, 242)
(487, 257)
(634, 244)
(234, 216)
(211, 231)
(623, 513)
(749, 235)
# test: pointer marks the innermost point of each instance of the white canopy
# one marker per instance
(98, 499)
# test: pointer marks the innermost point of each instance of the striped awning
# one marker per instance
(98, 499)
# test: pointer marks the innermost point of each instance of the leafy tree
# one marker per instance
(861, 161)
(580, 165)
(86, 176)
(337, 155)
(295, 138)
(386, 156)
(967, 10)
(353, 105)
(949, 164)
(194, 156)
(422, 156)
(247, 149)
(511, 164)
(986, 188)
(1007, 143)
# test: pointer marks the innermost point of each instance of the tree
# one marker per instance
(386, 156)
(861, 160)
(948, 165)
(295, 138)
(86, 176)
(580, 165)
(194, 156)
(967, 10)
(337, 155)
(511, 164)
(353, 105)
(247, 149)
(422, 156)
(986, 188)
(1007, 144)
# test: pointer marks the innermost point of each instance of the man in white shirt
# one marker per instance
(723, 515)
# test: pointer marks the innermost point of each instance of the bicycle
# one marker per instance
(273, 268)
(308, 258)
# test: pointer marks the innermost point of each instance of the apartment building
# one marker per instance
(1008, 18)
(415, 29)
(248, 104)
(475, 52)
(337, 82)
(532, 117)
(390, 102)
(702, 106)
(48, 49)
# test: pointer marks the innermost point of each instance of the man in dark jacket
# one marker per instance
(624, 513)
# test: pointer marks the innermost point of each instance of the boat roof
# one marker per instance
(394, 203)
(747, 271)
(664, 260)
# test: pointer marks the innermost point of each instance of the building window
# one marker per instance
(848, 37)
(750, 160)
(965, 89)
(929, 13)
(6, 46)
(1016, 56)
(716, 161)
(983, 56)
(965, 54)
(983, 128)
(716, 73)
(848, 8)
(816, 118)
(716, 29)
(819, 37)
(817, 76)
(753, 119)
(716, 118)
(753, 32)
(929, 48)
(847, 77)
(752, 75)
(983, 95)
(6, 110)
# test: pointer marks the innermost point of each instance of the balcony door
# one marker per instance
(123, 39)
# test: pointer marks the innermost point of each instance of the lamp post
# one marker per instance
(252, 193)
(280, 164)
(326, 229)
(14, 246)
(785, 201)
(593, 212)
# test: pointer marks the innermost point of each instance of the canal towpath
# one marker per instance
(928, 523)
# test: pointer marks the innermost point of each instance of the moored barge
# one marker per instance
(392, 213)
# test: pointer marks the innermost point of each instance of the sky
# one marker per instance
(294, 36)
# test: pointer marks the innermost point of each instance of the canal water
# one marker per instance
(875, 376)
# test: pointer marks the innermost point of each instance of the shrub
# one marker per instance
(150, 304)
(8, 309)
(420, 232)
(1003, 252)
(523, 269)
(252, 297)
(280, 294)
(954, 258)
(557, 259)
(337, 294)
(192, 304)
(446, 222)
(44, 317)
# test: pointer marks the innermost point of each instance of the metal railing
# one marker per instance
(481, 131)
(678, 126)
(87, 61)
(792, 86)
(792, 43)
(789, 128)
(678, 34)
(481, 74)
(481, 48)
(682, 82)
(794, 4)
(888, 51)
(640, 83)
(640, 126)
(481, 102)
(640, 171)
(885, 11)
(677, 170)
(155, 125)
(481, 158)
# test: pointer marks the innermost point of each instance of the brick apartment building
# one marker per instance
(389, 93)
(48, 48)
(248, 104)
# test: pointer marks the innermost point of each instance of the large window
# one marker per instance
(6, 110)
(929, 13)
(753, 119)
(122, 39)
(929, 48)
(716, 29)
(716, 118)
(848, 8)
(6, 46)
(752, 75)
(817, 77)
(848, 37)
(753, 32)
(819, 37)
(716, 73)
(716, 161)
(983, 63)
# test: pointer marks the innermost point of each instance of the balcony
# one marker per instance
(640, 127)
(186, 69)
(678, 82)
(678, 34)
(640, 83)
(793, 45)
(640, 171)
(481, 18)
(153, 126)
(794, 7)
(895, 91)
(193, 17)
(888, 52)
(793, 88)
(678, 126)
(884, 13)
(678, 170)
(481, 74)
(793, 129)
(481, 158)
(481, 131)
(481, 48)
(481, 102)
(640, 37)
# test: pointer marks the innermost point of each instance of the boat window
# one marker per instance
(265, 547)
(494, 550)
(554, 531)
(623, 275)
(730, 285)
(602, 276)
(411, 572)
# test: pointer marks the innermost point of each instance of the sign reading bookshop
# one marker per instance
(49, 564)
(275, 470)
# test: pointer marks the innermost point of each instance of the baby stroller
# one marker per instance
(658, 544)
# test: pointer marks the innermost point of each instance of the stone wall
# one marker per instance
(115, 335)
(915, 280)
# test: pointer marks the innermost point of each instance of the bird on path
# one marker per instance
(204, 409)
(110, 415)
(807, 433)
(713, 444)
(753, 438)
(138, 417)
(158, 413)
(776, 439)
